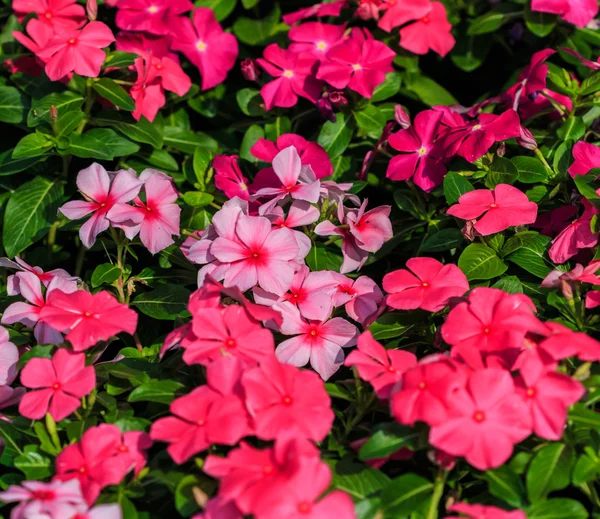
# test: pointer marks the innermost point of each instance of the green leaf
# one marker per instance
(443, 240)
(114, 93)
(356, 479)
(105, 273)
(336, 136)
(13, 105)
(187, 140)
(119, 59)
(277, 128)
(257, 32)
(389, 438)
(389, 88)
(502, 171)
(479, 261)
(590, 85)
(250, 101)
(587, 468)
(221, 8)
(563, 158)
(201, 162)
(549, 470)
(322, 258)
(540, 24)
(557, 509)
(407, 202)
(585, 185)
(197, 198)
(252, 135)
(510, 284)
(406, 494)
(34, 465)
(370, 119)
(573, 128)
(530, 253)
(488, 22)
(531, 170)
(470, 52)
(113, 143)
(10, 165)
(64, 102)
(68, 122)
(87, 146)
(166, 302)
(30, 212)
(32, 145)
(143, 131)
(581, 415)
(160, 391)
(455, 185)
(430, 92)
(504, 484)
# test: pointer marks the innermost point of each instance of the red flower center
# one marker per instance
(493, 206)
(530, 392)
(268, 469)
(71, 41)
(201, 423)
(123, 448)
(424, 284)
(48, 15)
(304, 507)
(82, 470)
(287, 400)
(56, 386)
(425, 20)
(230, 343)
(391, 369)
(44, 495)
(486, 331)
(478, 416)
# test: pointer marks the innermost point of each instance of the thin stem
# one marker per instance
(540, 156)
(120, 247)
(438, 492)
(79, 260)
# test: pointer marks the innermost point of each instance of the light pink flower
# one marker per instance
(576, 236)
(577, 12)
(362, 297)
(432, 31)
(9, 356)
(152, 16)
(315, 37)
(300, 213)
(12, 284)
(111, 511)
(587, 157)
(56, 14)
(579, 274)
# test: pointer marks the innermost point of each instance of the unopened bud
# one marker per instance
(325, 108)
(566, 289)
(526, 139)
(402, 118)
(249, 70)
(468, 230)
(337, 98)
(53, 113)
(91, 8)
(366, 165)
(501, 149)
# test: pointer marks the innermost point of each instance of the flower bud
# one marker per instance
(91, 8)
(249, 70)
(442, 459)
(526, 139)
(402, 118)
(337, 98)
(366, 165)
(325, 108)
(501, 149)
(566, 289)
(53, 113)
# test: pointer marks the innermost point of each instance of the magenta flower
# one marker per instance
(587, 157)
(229, 178)
(57, 14)
(38, 36)
(577, 12)
(576, 236)
(152, 16)
(78, 51)
(555, 220)
(488, 512)
(103, 190)
(206, 45)
(503, 207)
(432, 31)
(146, 45)
(9, 356)
(60, 383)
(315, 37)
(321, 10)
(294, 75)
(422, 159)
(359, 63)
(398, 13)
(156, 219)
(533, 78)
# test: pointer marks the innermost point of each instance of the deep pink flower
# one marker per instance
(146, 45)
(132, 450)
(9, 356)
(432, 31)
(560, 342)
(60, 385)
(206, 45)
(359, 63)
(532, 79)
(594, 65)
(429, 286)
(484, 512)
(282, 398)
(587, 157)
(362, 298)
(294, 75)
(156, 219)
(103, 190)
(486, 418)
(592, 299)
(88, 318)
(56, 14)
(153, 16)
(38, 36)
(576, 236)
(503, 207)
(210, 414)
(577, 12)
(315, 37)
(399, 12)
(382, 368)
(229, 178)
(78, 51)
(556, 220)
(421, 159)
(219, 508)
(321, 10)
(317, 342)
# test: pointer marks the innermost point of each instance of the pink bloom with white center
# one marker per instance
(12, 284)
(294, 75)
(300, 213)
(315, 37)
(576, 236)
(9, 356)
(317, 342)
(78, 51)
(103, 190)
(60, 383)
(30, 288)
(295, 180)
(229, 178)
(362, 297)
(321, 10)
(53, 500)
(577, 12)
(587, 157)
(503, 207)
(56, 14)
(206, 45)
(432, 31)
(152, 16)
(156, 219)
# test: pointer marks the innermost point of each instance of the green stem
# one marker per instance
(51, 427)
(79, 260)
(540, 156)
(438, 492)
(90, 97)
(120, 247)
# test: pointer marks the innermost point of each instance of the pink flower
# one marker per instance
(321, 10)
(421, 160)
(103, 190)
(319, 342)
(382, 368)
(30, 287)
(38, 36)
(206, 45)
(61, 383)
(555, 220)
(153, 16)
(503, 207)
(9, 356)
(430, 286)
(210, 414)
(485, 419)
(484, 512)
(87, 318)
(398, 13)
(132, 448)
(432, 31)
(579, 274)
(587, 157)
(560, 342)
(315, 37)
(218, 508)
(362, 298)
(281, 398)
(78, 51)
(229, 178)
(156, 219)
(592, 299)
(594, 65)
(12, 284)
(112, 511)
(359, 63)
(146, 45)
(294, 75)
(576, 236)
(56, 14)
(532, 80)
(577, 12)
(311, 154)
(38, 499)
(300, 213)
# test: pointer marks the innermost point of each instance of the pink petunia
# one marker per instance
(359, 63)
(484, 512)
(56, 14)
(503, 207)
(382, 368)
(321, 10)
(78, 51)
(206, 45)
(59, 383)
(229, 178)
(432, 31)
(486, 418)
(398, 13)
(421, 158)
(362, 298)
(429, 285)
(317, 342)
(156, 219)
(293, 75)
(315, 37)
(103, 190)
(210, 414)
(88, 318)
(282, 398)
(587, 157)
(9, 356)
(577, 12)
(153, 16)
(576, 236)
